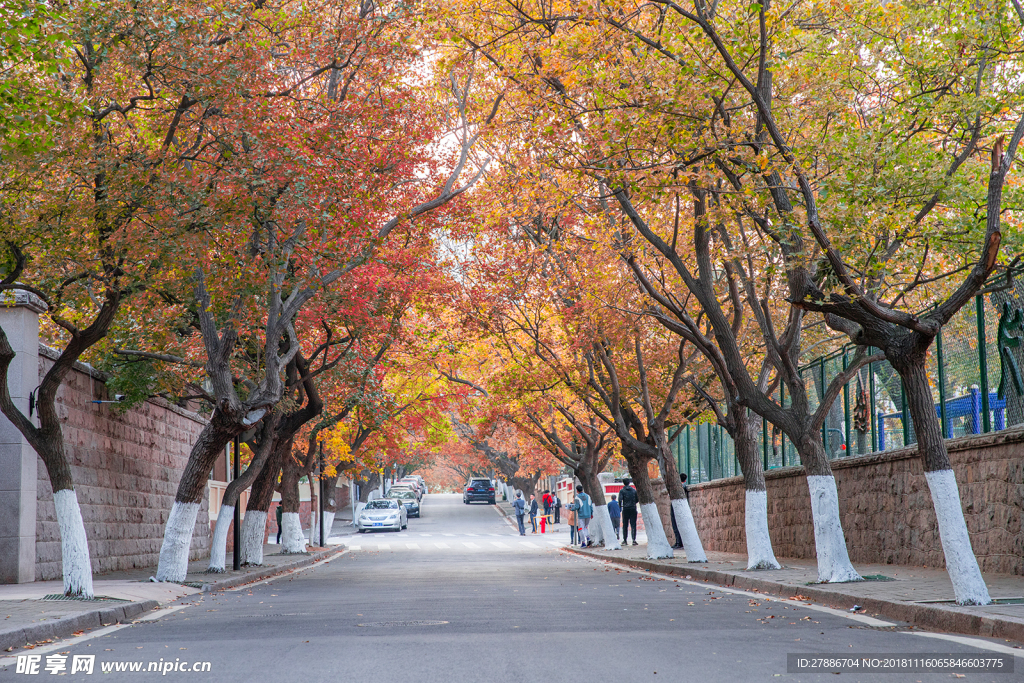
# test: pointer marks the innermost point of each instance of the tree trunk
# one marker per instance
(961, 563)
(173, 564)
(218, 545)
(603, 531)
(678, 500)
(292, 538)
(260, 498)
(829, 541)
(759, 543)
(658, 546)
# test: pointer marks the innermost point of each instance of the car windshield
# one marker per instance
(483, 483)
(402, 494)
(380, 504)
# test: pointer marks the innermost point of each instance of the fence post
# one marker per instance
(906, 417)
(782, 434)
(764, 442)
(824, 423)
(846, 405)
(871, 405)
(986, 419)
(942, 386)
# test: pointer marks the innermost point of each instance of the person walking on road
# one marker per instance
(533, 512)
(614, 511)
(584, 511)
(627, 501)
(519, 505)
(558, 509)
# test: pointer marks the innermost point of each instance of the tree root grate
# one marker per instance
(78, 598)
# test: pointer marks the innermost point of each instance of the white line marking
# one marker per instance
(355, 547)
(866, 620)
(499, 544)
(442, 545)
(527, 544)
(76, 640)
(972, 642)
(412, 546)
(470, 545)
(383, 546)
(449, 535)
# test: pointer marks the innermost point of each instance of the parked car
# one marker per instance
(408, 499)
(382, 513)
(406, 487)
(479, 489)
(415, 480)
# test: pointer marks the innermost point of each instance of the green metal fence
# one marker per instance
(976, 367)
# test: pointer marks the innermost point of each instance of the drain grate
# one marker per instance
(421, 622)
(192, 584)
(76, 598)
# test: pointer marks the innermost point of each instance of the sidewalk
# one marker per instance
(921, 596)
(28, 617)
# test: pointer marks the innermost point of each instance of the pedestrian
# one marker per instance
(533, 512)
(675, 529)
(558, 510)
(519, 505)
(627, 501)
(614, 512)
(547, 503)
(570, 517)
(584, 511)
(277, 514)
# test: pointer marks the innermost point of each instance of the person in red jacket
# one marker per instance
(548, 502)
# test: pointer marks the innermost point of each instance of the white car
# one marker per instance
(383, 513)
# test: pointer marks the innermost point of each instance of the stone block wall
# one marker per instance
(126, 470)
(886, 506)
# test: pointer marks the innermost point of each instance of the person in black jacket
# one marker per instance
(628, 500)
(533, 512)
(675, 529)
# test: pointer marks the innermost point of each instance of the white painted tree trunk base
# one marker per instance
(74, 545)
(254, 524)
(328, 525)
(292, 538)
(658, 547)
(173, 565)
(759, 542)
(829, 541)
(688, 530)
(219, 543)
(602, 525)
(961, 563)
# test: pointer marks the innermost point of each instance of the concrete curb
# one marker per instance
(946, 618)
(66, 626)
(262, 574)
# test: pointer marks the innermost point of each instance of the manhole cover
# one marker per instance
(422, 622)
(98, 598)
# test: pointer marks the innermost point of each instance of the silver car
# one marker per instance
(383, 513)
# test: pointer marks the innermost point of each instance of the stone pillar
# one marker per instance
(19, 318)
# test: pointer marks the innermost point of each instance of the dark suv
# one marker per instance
(478, 489)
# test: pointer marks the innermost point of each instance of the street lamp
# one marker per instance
(321, 463)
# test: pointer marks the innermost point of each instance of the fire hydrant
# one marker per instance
(543, 519)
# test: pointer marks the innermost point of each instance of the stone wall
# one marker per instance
(126, 471)
(886, 506)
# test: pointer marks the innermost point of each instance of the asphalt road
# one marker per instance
(460, 596)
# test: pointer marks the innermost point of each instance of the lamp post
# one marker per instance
(236, 555)
(321, 494)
